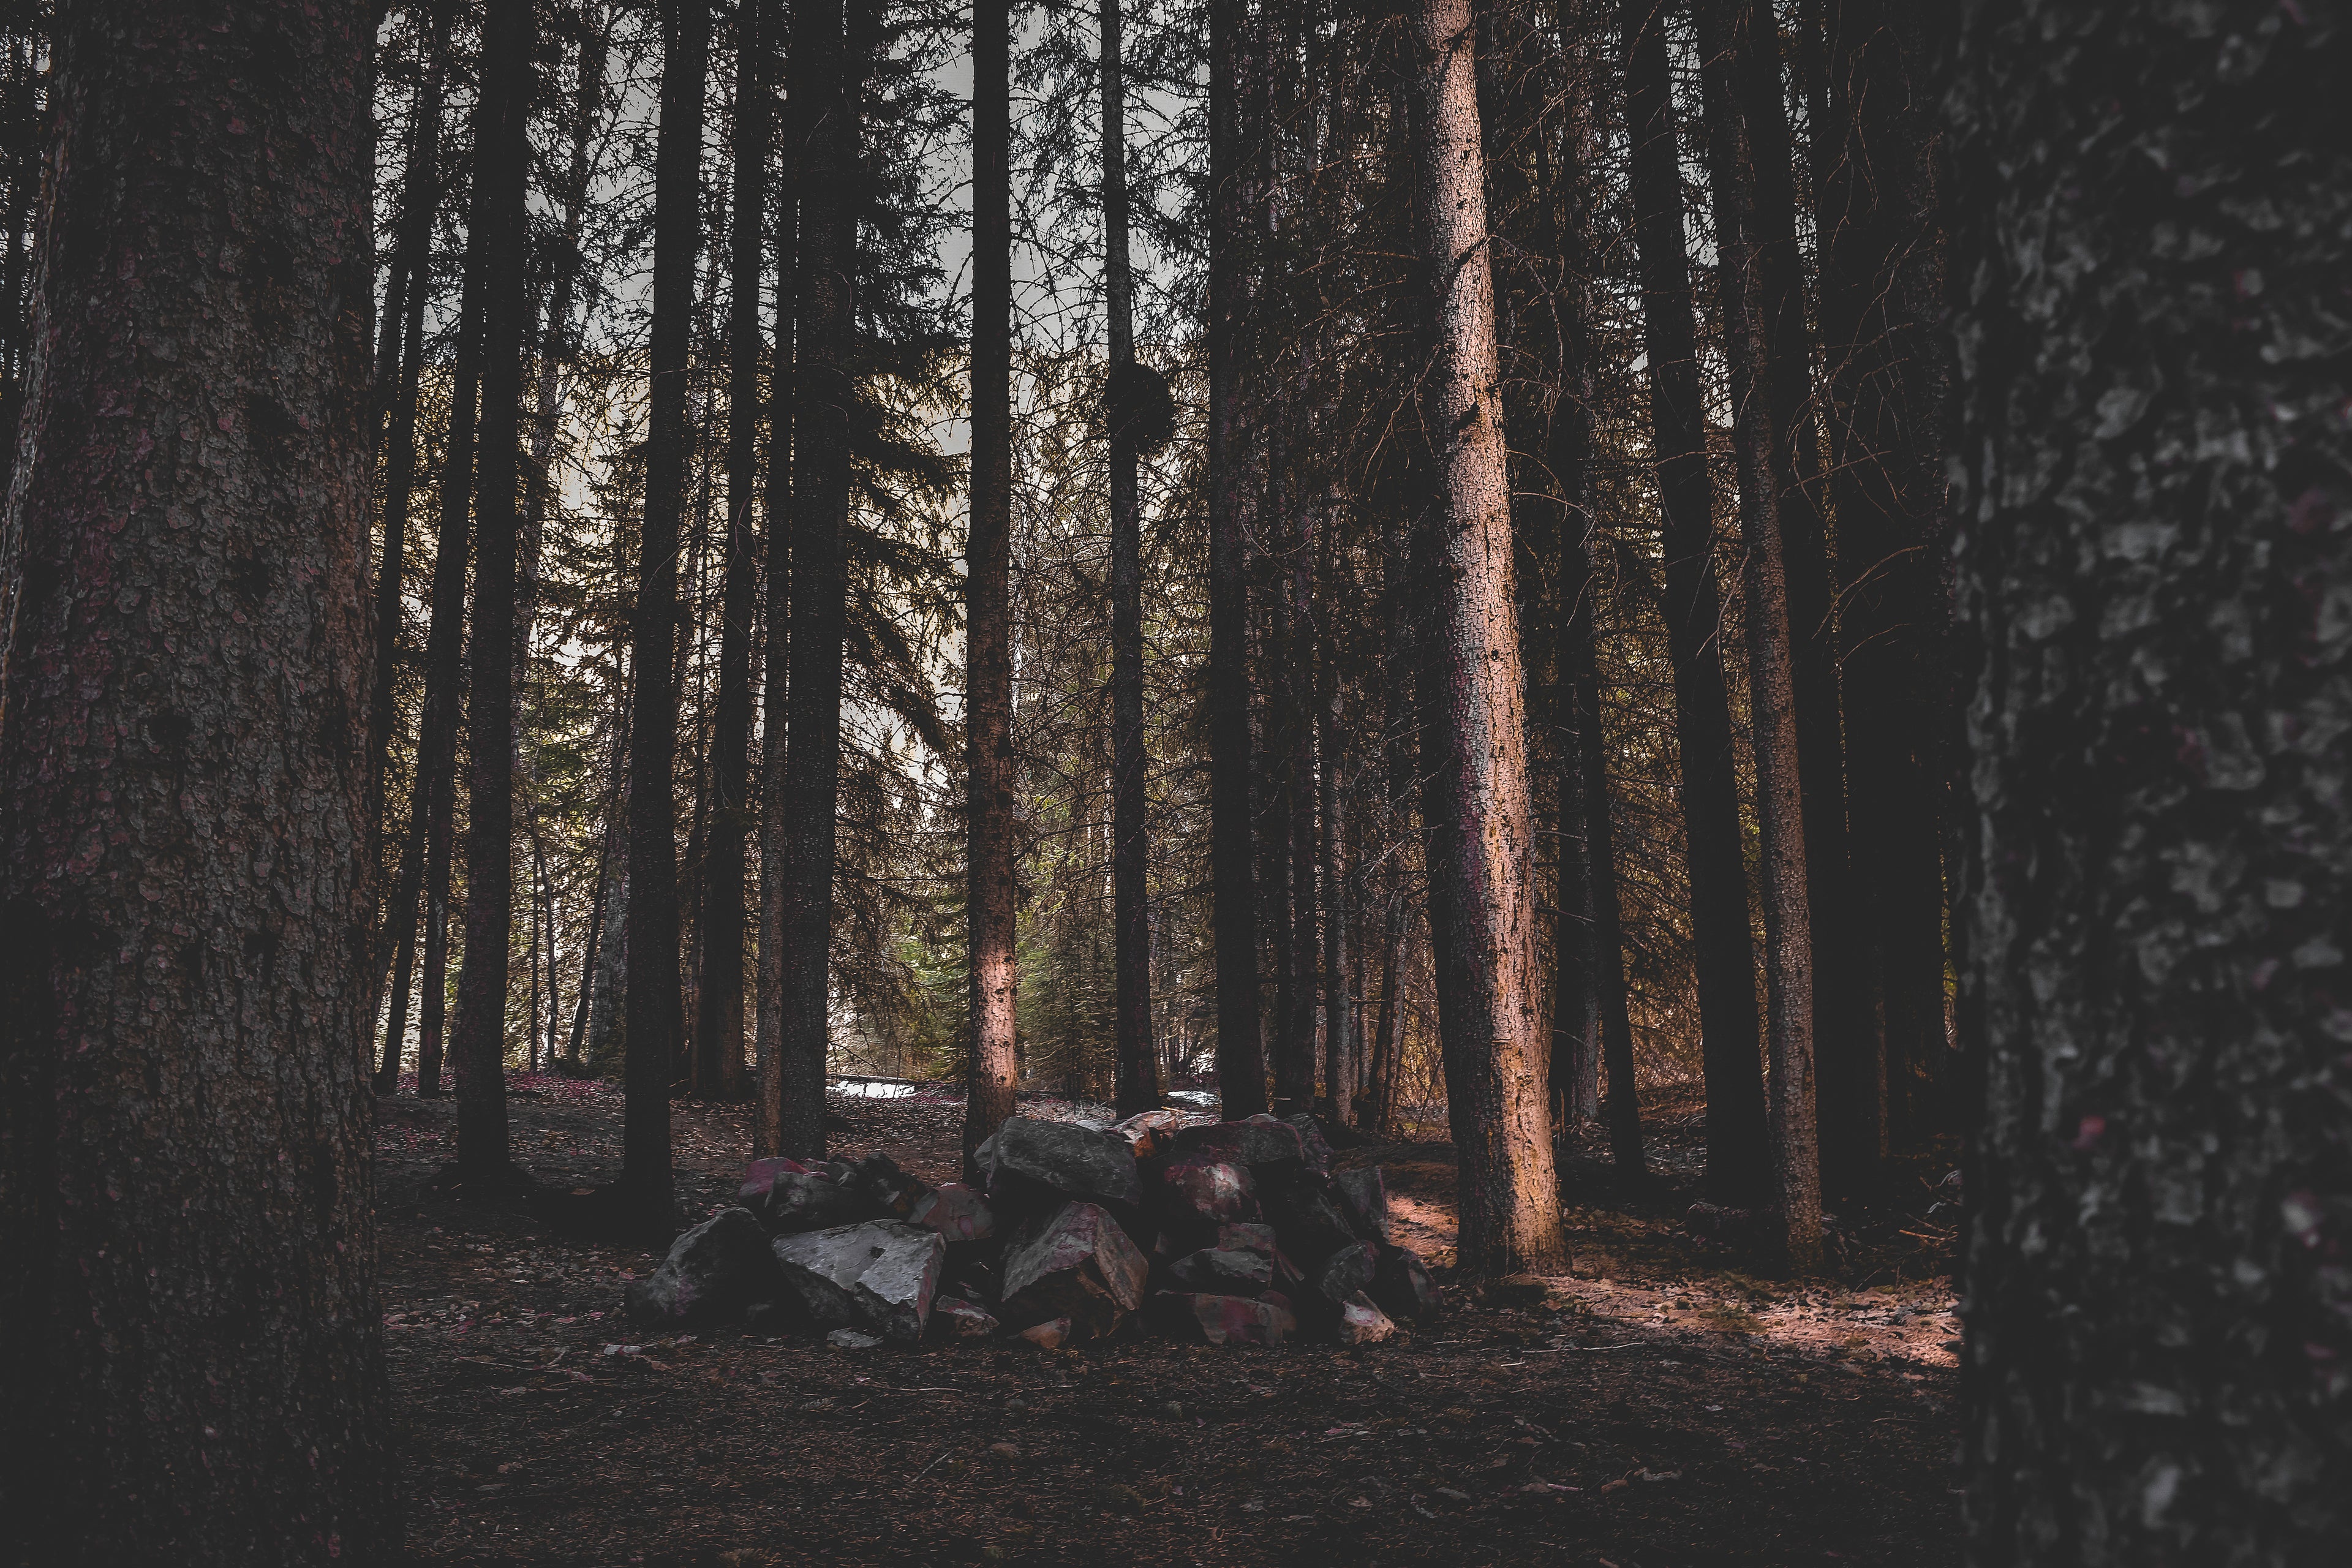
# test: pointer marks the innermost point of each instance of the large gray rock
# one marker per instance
(882, 1275)
(1027, 1159)
(1313, 1146)
(720, 1266)
(1363, 1202)
(1078, 1265)
(1259, 1142)
(1402, 1287)
(1300, 1205)
(811, 1200)
(1348, 1272)
(1221, 1272)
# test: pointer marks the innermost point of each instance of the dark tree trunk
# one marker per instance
(1476, 813)
(827, 76)
(184, 976)
(991, 1067)
(1294, 683)
(477, 1040)
(1139, 1072)
(1771, 684)
(399, 925)
(1593, 1036)
(718, 1029)
(1737, 1163)
(608, 853)
(651, 1004)
(1339, 1016)
(1851, 1088)
(1241, 1043)
(2153, 560)
(419, 197)
(775, 688)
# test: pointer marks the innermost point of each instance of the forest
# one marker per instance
(1344, 780)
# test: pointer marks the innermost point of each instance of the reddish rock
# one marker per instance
(1247, 1238)
(956, 1211)
(1193, 1194)
(761, 1175)
(957, 1319)
(1362, 1323)
(1078, 1265)
(1222, 1320)
(1050, 1336)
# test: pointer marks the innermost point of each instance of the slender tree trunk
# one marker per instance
(2158, 1312)
(1779, 809)
(183, 980)
(1845, 1035)
(718, 1031)
(1738, 1157)
(827, 85)
(478, 1041)
(1339, 1017)
(1241, 1043)
(1293, 703)
(1477, 819)
(652, 1001)
(1138, 1084)
(399, 922)
(776, 812)
(1376, 1111)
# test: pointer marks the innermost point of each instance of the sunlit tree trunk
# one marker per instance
(193, 1373)
(1478, 824)
(2154, 561)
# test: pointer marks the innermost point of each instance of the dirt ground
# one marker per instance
(1666, 1408)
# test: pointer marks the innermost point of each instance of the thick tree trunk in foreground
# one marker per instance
(1771, 680)
(719, 1027)
(1138, 1066)
(651, 1004)
(1478, 823)
(826, 84)
(478, 1041)
(183, 983)
(1737, 1163)
(2153, 552)
(1241, 1040)
(990, 1068)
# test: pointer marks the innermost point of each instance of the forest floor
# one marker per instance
(1666, 1408)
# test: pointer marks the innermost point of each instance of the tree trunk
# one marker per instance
(827, 86)
(1772, 704)
(1138, 1083)
(183, 981)
(1241, 1043)
(1477, 819)
(1737, 1163)
(2153, 558)
(776, 809)
(1847, 1052)
(399, 922)
(1293, 726)
(1339, 1017)
(652, 1001)
(718, 1030)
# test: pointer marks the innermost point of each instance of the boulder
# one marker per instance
(1026, 1158)
(1193, 1194)
(1364, 1323)
(1313, 1146)
(1222, 1320)
(720, 1266)
(1301, 1207)
(1078, 1265)
(1287, 1313)
(761, 1175)
(1402, 1287)
(1363, 1198)
(1050, 1336)
(810, 1200)
(956, 1211)
(957, 1319)
(1148, 1132)
(881, 1275)
(1259, 1142)
(1348, 1272)
(1219, 1272)
(893, 1193)
(1247, 1238)
(1191, 1099)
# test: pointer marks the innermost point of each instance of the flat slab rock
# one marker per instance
(1091, 1163)
(1259, 1142)
(882, 1275)
(1078, 1265)
(720, 1266)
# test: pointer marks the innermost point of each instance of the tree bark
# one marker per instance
(2153, 558)
(1737, 1162)
(1241, 1041)
(651, 1004)
(991, 1066)
(1339, 1016)
(399, 922)
(827, 84)
(718, 1030)
(1771, 682)
(1476, 812)
(1138, 1084)
(184, 977)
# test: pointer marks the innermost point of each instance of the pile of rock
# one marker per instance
(1227, 1232)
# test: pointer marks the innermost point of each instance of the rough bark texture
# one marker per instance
(477, 1040)
(184, 998)
(398, 931)
(826, 86)
(2154, 551)
(1479, 829)
(1737, 1160)
(1771, 680)
(719, 1022)
(1241, 1042)
(990, 1068)
(651, 1004)
(775, 718)
(1294, 1009)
